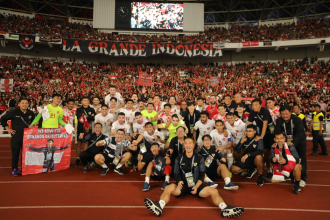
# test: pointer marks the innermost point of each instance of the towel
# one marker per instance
(44, 112)
(69, 128)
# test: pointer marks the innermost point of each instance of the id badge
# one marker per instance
(190, 179)
(289, 138)
(116, 160)
(271, 127)
(143, 149)
(192, 129)
(208, 161)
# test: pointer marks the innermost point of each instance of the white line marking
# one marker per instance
(168, 207)
(118, 181)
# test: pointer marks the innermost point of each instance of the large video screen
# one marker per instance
(149, 15)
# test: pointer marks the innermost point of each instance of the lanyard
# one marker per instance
(285, 128)
(85, 112)
(179, 145)
(259, 117)
(206, 151)
(95, 141)
(194, 118)
(24, 121)
(192, 164)
(246, 146)
(212, 111)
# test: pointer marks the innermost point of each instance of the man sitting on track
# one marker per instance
(189, 173)
(213, 170)
(285, 159)
(92, 150)
(114, 152)
(250, 153)
(155, 170)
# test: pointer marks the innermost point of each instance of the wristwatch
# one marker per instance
(261, 136)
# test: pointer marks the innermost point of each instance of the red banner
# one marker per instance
(45, 150)
(145, 79)
(214, 80)
(250, 43)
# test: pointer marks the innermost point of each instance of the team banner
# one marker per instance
(26, 42)
(214, 80)
(145, 79)
(119, 49)
(6, 85)
(250, 43)
(49, 40)
(45, 150)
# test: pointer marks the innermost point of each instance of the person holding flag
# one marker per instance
(85, 115)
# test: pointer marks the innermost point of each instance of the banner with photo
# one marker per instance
(26, 42)
(125, 49)
(45, 150)
(6, 85)
(145, 79)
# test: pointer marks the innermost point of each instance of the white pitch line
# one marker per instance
(137, 181)
(166, 207)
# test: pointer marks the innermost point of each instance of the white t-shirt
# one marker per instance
(108, 97)
(104, 121)
(95, 108)
(220, 140)
(125, 126)
(139, 127)
(237, 130)
(203, 129)
(129, 114)
(150, 138)
(175, 110)
(115, 114)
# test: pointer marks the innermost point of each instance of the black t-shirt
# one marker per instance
(205, 153)
(148, 157)
(259, 118)
(230, 107)
(92, 139)
(177, 147)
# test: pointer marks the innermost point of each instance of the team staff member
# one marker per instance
(293, 128)
(317, 128)
(87, 112)
(92, 149)
(189, 173)
(250, 150)
(191, 118)
(20, 119)
(177, 144)
(265, 129)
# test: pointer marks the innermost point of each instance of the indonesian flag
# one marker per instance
(287, 169)
(84, 121)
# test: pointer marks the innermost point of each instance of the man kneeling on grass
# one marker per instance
(158, 165)
(285, 159)
(189, 173)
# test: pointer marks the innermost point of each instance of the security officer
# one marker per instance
(293, 128)
(316, 127)
(20, 119)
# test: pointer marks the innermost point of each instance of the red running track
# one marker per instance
(71, 194)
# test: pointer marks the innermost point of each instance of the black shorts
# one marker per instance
(187, 191)
(107, 158)
(268, 141)
(212, 173)
(247, 165)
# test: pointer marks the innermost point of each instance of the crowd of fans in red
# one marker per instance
(53, 28)
(39, 79)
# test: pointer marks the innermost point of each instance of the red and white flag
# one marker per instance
(6, 85)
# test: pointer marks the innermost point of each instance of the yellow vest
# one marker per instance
(301, 115)
(316, 123)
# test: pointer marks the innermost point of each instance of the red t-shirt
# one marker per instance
(212, 110)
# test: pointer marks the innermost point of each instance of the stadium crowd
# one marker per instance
(53, 28)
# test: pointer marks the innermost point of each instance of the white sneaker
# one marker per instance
(302, 183)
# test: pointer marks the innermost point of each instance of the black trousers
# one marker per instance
(301, 150)
(16, 144)
(318, 139)
(86, 156)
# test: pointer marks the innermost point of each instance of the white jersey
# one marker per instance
(125, 126)
(237, 130)
(106, 130)
(159, 106)
(219, 117)
(139, 127)
(203, 129)
(115, 114)
(108, 97)
(163, 118)
(129, 114)
(220, 140)
(175, 110)
(150, 138)
(96, 108)
(273, 113)
(68, 116)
